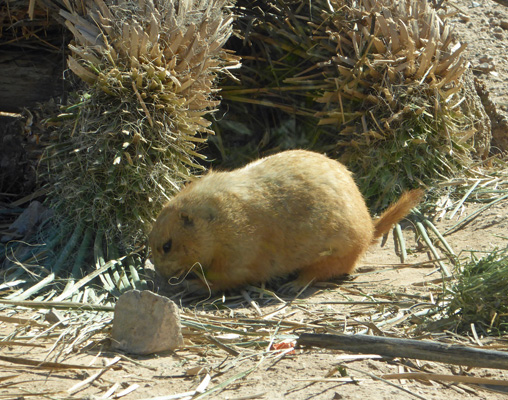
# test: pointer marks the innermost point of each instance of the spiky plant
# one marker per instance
(128, 140)
(134, 131)
(383, 80)
(396, 94)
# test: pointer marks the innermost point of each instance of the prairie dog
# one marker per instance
(294, 211)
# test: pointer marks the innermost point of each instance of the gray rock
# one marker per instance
(146, 323)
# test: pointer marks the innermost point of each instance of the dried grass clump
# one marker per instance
(479, 295)
(127, 142)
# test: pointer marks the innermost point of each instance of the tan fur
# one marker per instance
(294, 211)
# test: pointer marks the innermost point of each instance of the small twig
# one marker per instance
(90, 379)
(125, 392)
(469, 218)
(475, 335)
(274, 313)
(266, 291)
(252, 302)
(17, 343)
(110, 391)
(398, 303)
(137, 363)
(221, 345)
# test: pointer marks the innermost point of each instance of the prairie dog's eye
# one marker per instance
(166, 247)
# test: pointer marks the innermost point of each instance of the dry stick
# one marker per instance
(252, 303)
(408, 348)
(77, 387)
(436, 281)
(44, 364)
(9, 377)
(61, 305)
(110, 391)
(125, 392)
(221, 345)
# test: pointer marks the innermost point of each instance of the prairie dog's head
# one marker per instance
(181, 237)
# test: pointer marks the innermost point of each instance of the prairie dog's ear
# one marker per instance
(186, 219)
(211, 215)
(206, 213)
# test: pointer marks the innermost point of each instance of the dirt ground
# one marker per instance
(250, 371)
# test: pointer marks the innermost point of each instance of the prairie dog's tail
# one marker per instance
(395, 212)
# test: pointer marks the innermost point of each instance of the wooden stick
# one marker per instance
(409, 348)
